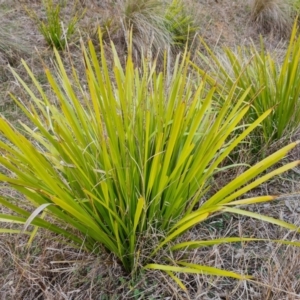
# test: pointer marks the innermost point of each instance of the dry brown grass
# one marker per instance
(273, 16)
(51, 269)
(11, 37)
(12, 43)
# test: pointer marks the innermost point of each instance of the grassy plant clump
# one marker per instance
(156, 24)
(275, 16)
(180, 22)
(55, 32)
(270, 84)
(127, 162)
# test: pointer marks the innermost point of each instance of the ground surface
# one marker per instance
(51, 269)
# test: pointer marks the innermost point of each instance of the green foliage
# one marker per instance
(180, 23)
(272, 85)
(295, 5)
(52, 28)
(125, 162)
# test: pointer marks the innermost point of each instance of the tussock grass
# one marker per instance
(52, 27)
(129, 169)
(272, 85)
(156, 25)
(51, 269)
(273, 16)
